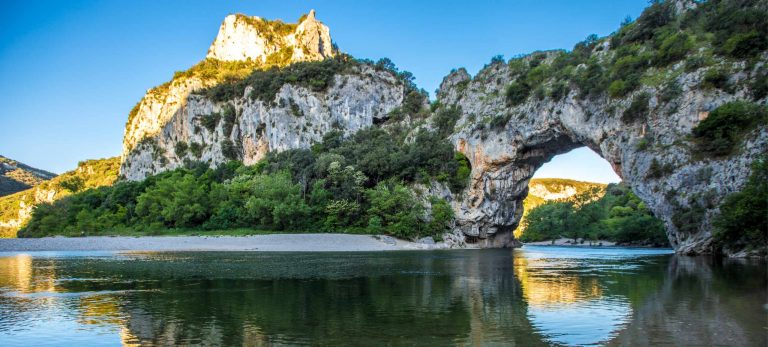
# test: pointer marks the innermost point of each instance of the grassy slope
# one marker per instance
(92, 173)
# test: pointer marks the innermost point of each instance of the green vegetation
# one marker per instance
(618, 216)
(723, 130)
(715, 35)
(353, 184)
(743, 219)
(517, 92)
(638, 109)
(314, 75)
(89, 174)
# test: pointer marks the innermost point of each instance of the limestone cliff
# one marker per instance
(243, 37)
(243, 44)
(633, 97)
(644, 134)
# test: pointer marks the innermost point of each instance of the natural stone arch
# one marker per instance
(505, 157)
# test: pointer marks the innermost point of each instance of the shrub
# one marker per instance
(743, 218)
(196, 149)
(723, 129)
(745, 45)
(229, 150)
(759, 86)
(181, 149)
(637, 109)
(463, 171)
(499, 121)
(715, 78)
(688, 219)
(694, 63)
(618, 88)
(516, 93)
(445, 119)
(558, 90)
(643, 144)
(657, 170)
(673, 48)
(670, 92)
(210, 121)
(229, 115)
(413, 102)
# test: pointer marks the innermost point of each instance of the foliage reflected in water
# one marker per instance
(534, 296)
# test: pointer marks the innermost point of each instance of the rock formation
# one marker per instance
(242, 37)
(637, 130)
(242, 43)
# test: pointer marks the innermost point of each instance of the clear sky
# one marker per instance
(70, 71)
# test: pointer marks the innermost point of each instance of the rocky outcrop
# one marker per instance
(505, 158)
(296, 118)
(644, 131)
(243, 43)
(243, 37)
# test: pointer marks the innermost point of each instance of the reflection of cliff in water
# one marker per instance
(703, 302)
(468, 297)
(437, 298)
(470, 300)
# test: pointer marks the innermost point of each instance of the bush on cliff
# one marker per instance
(723, 130)
(743, 219)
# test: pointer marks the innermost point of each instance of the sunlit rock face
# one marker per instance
(243, 37)
(297, 118)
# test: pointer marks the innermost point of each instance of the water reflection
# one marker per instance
(534, 296)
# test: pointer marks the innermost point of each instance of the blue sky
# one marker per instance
(72, 70)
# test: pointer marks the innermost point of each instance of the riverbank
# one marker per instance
(263, 243)
(564, 242)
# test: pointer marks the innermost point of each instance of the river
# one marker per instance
(536, 295)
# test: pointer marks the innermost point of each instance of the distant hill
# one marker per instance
(16, 176)
(15, 209)
(545, 189)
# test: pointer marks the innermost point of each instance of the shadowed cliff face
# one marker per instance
(505, 157)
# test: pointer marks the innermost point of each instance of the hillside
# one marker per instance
(15, 176)
(541, 190)
(16, 209)
(674, 101)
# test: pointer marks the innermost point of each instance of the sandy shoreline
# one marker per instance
(264, 243)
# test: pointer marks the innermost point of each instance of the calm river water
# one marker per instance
(525, 297)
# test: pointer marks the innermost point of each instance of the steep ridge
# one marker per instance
(16, 209)
(15, 176)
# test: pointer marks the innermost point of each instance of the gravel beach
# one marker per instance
(264, 243)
